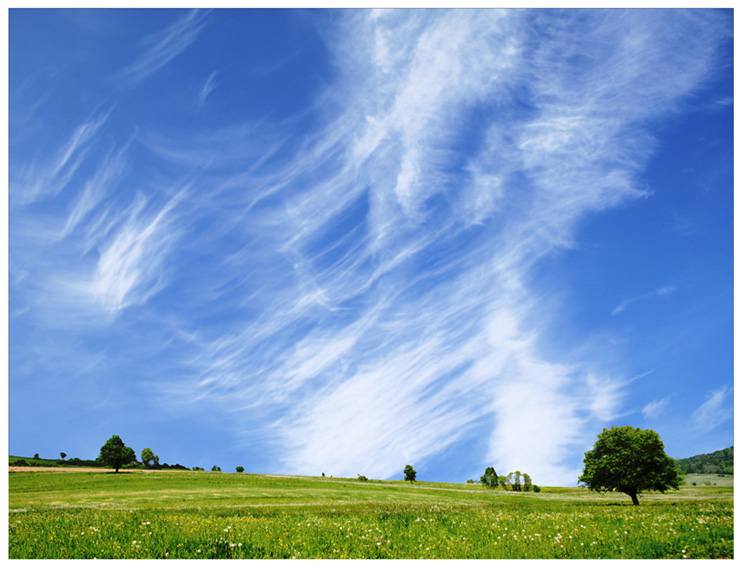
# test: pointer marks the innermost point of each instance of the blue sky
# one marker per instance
(342, 241)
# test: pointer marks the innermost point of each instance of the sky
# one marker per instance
(343, 241)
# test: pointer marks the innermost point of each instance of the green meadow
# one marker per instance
(175, 515)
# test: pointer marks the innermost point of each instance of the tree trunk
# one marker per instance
(634, 498)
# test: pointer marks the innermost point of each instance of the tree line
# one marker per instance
(719, 462)
(515, 481)
(623, 459)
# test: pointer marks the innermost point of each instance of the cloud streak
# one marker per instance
(661, 292)
(712, 413)
(431, 241)
(164, 46)
(364, 292)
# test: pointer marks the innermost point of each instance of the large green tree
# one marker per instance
(631, 461)
(115, 454)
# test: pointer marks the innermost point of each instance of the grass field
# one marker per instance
(219, 515)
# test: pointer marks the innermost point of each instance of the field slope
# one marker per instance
(217, 515)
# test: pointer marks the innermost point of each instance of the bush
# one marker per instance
(197, 468)
(176, 466)
(536, 488)
(240, 469)
(362, 478)
(215, 469)
(83, 463)
(19, 463)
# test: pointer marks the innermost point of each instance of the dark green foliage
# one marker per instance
(362, 478)
(83, 463)
(490, 479)
(215, 469)
(631, 461)
(63, 455)
(536, 488)
(19, 463)
(409, 473)
(708, 463)
(240, 469)
(115, 454)
(149, 459)
(36, 456)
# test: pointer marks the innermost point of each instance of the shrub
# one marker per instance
(362, 478)
(215, 469)
(536, 488)
(19, 463)
(240, 469)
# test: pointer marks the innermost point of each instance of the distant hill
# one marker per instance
(720, 462)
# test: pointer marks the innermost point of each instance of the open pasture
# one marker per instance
(218, 515)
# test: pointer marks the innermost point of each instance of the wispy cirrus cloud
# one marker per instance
(163, 47)
(352, 285)
(406, 230)
(661, 292)
(714, 411)
(35, 181)
(207, 88)
(656, 408)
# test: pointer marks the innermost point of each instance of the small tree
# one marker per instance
(240, 469)
(149, 458)
(514, 479)
(527, 482)
(409, 473)
(630, 461)
(63, 455)
(503, 482)
(215, 469)
(489, 478)
(115, 454)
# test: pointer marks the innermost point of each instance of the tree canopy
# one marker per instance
(490, 478)
(409, 473)
(115, 454)
(631, 461)
(149, 458)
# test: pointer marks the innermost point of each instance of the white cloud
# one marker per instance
(36, 182)
(662, 291)
(656, 408)
(385, 267)
(713, 411)
(165, 46)
(207, 88)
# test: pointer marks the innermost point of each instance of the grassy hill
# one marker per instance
(719, 462)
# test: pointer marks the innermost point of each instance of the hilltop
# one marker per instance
(719, 462)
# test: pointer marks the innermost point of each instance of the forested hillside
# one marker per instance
(720, 462)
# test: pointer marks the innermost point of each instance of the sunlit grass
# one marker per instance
(211, 515)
